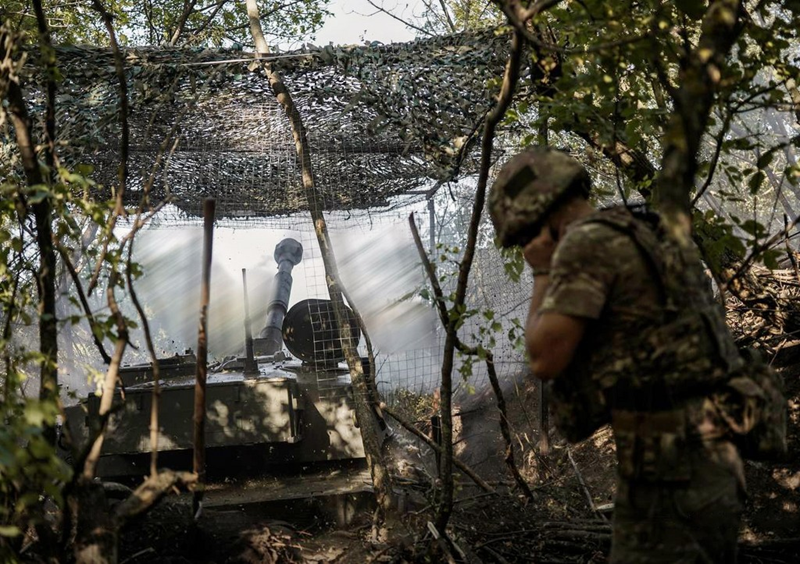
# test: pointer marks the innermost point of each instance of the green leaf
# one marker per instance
(753, 228)
(765, 159)
(770, 259)
(9, 531)
(38, 195)
(691, 8)
(755, 181)
(35, 414)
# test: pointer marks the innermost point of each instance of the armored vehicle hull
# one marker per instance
(278, 409)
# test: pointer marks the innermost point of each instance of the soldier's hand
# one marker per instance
(539, 251)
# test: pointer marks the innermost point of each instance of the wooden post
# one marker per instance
(544, 419)
(199, 466)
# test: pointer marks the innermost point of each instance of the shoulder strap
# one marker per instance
(672, 277)
(624, 221)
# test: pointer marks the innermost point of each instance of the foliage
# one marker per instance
(68, 22)
(31, 469)
(609, 72)
(453, 16)
(220, 23)
(210, 23)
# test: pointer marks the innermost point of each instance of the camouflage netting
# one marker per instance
(390, 126)
(382, 121)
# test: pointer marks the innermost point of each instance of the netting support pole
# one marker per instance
(199, 455)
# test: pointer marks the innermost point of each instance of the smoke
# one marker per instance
(170, 288)
(382, 272)
(379, 267)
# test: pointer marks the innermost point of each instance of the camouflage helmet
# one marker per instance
(528, 187)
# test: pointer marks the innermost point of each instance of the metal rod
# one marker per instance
(199, 466)
(250, 366)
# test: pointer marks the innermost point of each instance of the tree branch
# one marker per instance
(419, 434)
(401, 20)
(365, 414)
(188, 8)
(110, 382)
(494, 117)
(87, 310)
(518, 18)
(700, 77)
(150, 491)
(122, 170)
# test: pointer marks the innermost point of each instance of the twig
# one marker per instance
(401, 20)
(442, 543)
(87, 310)
(110, 382)
(419, 434)
(588, 495)
(714, 159)
(122, 171)
(381, 552)
(153, 362)
(501, 406)
(133, 557)
(430, 270)
(581, 525)
(789, 250)
(758, 249)
(496, 555)
(151, 490)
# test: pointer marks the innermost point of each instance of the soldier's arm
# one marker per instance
(550, 337)
(568, 299)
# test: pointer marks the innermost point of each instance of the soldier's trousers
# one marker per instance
(681, 522)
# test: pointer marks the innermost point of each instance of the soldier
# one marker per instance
(628, 334)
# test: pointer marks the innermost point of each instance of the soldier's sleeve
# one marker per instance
(582, 272)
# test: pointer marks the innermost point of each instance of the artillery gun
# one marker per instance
(278, 408)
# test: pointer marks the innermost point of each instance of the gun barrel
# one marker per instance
(288, 253)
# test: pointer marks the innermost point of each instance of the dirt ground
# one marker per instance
(558, 525)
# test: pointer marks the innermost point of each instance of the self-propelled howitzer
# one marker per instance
(272, 406)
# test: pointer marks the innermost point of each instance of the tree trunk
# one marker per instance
(96, 532)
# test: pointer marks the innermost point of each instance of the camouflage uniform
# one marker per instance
(680, 481)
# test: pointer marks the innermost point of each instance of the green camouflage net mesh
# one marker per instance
(392, 129)
(385, 123)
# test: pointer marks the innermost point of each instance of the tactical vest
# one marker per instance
(689, 355)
